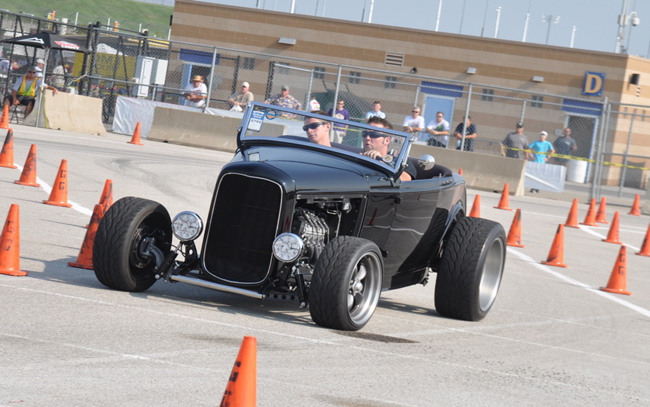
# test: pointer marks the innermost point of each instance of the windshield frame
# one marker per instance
(250, 134)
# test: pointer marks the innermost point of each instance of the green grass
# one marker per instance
(129, 13)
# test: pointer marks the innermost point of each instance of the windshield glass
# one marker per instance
(373, 141)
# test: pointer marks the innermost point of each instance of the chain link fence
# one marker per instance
(613, 140)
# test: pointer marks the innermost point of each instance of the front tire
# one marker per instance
(346, 284)
(471, 269)
(118, 260)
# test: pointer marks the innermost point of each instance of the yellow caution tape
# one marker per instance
(589, 160)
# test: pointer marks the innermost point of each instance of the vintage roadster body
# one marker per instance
(325, 226)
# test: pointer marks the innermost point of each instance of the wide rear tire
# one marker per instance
(346, 284)
(118, 260)
(471, 269)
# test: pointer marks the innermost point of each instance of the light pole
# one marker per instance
(496, 28)
(439, 11)
(550, 19)
(526, 21)
(487, 3)
(573, 36)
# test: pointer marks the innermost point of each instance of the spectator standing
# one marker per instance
(515, 144)
(341, 113)
(239, 100)
(57, 79)
(284, 99)
(541, 148)
(439, 131)
(414, 123)
(376, 111)
(564, 145)
(195, 92)
(470, 135)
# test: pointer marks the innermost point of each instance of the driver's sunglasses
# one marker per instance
(312, 126)
(372, 134)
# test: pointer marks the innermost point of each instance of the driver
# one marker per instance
(318, 131)
(375, 145)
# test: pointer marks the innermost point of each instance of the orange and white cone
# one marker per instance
(4, 120)
(10, 244)
(601, 216)
(612, 236)
(556, 254)
(572, 219)
(476, 207)
(59, 194)
(590, 219)
(136, 135)
(645, 247)
(504, 203)
(7, 153)
(85, 257)
(28, 175)
(241, 389)
(514, 236)
(617, 283)
(636, 206)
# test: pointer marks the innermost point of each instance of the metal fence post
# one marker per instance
(336, 90)
(214, 59)
(469, 98)
(627, 152)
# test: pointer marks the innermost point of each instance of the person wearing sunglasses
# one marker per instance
(318, 131)
(439, 131)
(375, 144)
(26, 89)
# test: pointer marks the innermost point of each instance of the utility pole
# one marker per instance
(550, 19)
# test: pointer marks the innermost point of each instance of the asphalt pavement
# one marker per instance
(552, 338)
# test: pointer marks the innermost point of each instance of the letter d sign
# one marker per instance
(594, 84)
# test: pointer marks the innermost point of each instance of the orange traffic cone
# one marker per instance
(590, 219)
(612, 236)
(514, 236)
(59, 194)
(617, 281)
(636, 207)
(572, 219)
(476, 207)
(556, 254)
(85, 257)
(107, 195)
(136, 135)
(601, 216)
(4, 121)
(7, 153)
(645, 247)
(460, 171)
(28, 176)
(241, 390)
(504, 203)
(10, 244)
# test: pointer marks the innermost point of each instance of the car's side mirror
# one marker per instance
(426, 162)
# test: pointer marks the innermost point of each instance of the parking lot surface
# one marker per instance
(552, 337)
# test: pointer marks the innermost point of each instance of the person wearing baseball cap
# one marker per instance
(541, 148)
(516, 143)
(284, 99)
(195, 92)
(239, 100)
(26, 89)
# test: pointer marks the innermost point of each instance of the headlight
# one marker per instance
(288, 247)
(187, 226)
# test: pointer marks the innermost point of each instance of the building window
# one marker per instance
(319, 72)
(488, 95)
(390, 82)
(249, 63)
(355, 77)
(538, 101)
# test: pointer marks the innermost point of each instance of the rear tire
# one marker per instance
(117, 258)
(471, 269)
(346, 284)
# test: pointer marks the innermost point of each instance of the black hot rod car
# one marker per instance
(326, 226)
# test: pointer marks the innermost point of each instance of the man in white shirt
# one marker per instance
(414, 123)
(376, 111)
(439, 131)
(195, 92)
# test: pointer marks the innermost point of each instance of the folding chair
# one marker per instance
(16, 112)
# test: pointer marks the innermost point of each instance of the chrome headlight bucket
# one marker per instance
(288, 247)
(187, 226)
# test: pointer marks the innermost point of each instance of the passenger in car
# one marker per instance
(375, 145)
(318, 131)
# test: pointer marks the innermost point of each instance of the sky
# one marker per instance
(593, 24)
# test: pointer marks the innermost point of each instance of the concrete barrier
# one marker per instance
(69, 112)
(481, 171)
(199, 129)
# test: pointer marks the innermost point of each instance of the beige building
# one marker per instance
(598, 94)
